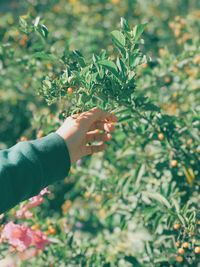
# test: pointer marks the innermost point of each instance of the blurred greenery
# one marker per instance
(120, 208)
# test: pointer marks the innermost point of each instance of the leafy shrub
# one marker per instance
(137, 204)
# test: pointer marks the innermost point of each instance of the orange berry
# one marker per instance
(167, 79)
(98, 198)
(177, 226)
(162, 52)
(177, 32)
(49, 66)
(197, 250)
(181, 251)
(177, 244)
(161, 136)
(189, 141)
(35, 226)
(69, 90)
(87, 194)
(23, 40)
(144, 65)
(51, 230)
(66, 206)
(179, 259)
(174, 163)
(185, 245)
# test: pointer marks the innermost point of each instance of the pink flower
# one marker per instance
(24, 213)
(35, 201)
(18, 236)
(39, 239)
(22, 237)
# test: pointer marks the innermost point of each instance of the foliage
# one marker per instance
(138, 203)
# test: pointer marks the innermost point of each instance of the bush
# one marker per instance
(138, 203)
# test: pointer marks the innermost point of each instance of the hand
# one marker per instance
(80, 129)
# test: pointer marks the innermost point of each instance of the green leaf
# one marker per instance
(23, 25)
(134, 60)
(151, 107)
(121, 66)
(22, 22)
(45, 56)
(44, 31)
(181, 218)
(118, 39)
(138, 30)
(124, 25)
(79, 58)
(109, 65)
(158, 197)
(133, 261)
(140, 173)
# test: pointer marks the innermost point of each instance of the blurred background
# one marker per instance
(90, 216)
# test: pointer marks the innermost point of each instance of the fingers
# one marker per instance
(88, 150)
(97, 136)
(97, 114)
(105, 126)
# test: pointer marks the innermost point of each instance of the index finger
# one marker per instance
(97, 114)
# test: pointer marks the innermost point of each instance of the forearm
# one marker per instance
(29, 166)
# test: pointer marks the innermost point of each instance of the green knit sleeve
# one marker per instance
(29, 166)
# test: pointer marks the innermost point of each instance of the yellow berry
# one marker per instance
(197, 250)
(189, 141)
(35, 226)
(87, 194)
(98, 198)
(161, 136)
